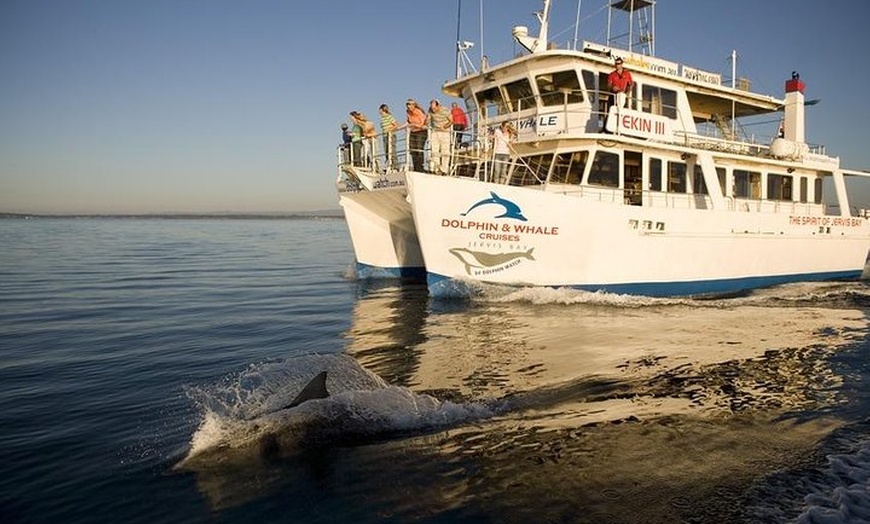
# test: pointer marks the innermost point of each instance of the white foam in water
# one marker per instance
(796, 292)
(210, 434)
(844, 495)
(543, 295)
(242, 408)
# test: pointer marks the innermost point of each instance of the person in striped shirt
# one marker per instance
(389, 126)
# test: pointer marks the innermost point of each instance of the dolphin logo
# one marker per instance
(511, 210)
(480, 259)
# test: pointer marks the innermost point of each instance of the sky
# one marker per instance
(210, 106)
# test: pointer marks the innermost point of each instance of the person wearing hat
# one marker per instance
(620, 83)
(417, 125)
(346, 139)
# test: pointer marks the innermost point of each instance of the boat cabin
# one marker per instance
(675, 140)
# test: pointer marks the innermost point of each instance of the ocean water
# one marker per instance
(147, 366)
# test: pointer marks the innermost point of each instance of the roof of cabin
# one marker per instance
(706, 99)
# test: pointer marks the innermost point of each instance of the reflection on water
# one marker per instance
(617, 410)
(664, 403)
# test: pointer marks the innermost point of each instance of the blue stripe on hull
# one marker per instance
(367, 272)
(445, 287)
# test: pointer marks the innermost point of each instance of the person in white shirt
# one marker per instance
(501, 149)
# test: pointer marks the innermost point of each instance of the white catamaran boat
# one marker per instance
(656, 191)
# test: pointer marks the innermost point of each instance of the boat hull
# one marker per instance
(474, 232)
(382, 233)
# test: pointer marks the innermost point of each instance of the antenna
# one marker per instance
(458, 27)
(464, 65)
(577, 24)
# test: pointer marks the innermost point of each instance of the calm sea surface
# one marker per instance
(146, 364)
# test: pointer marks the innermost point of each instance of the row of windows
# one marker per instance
(664, 175)
(563, 87)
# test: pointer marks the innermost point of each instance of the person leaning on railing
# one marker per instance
(368, 137)
(417, 122)
(346, 139)
(389, 126)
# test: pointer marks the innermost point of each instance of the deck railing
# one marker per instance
(470, 153)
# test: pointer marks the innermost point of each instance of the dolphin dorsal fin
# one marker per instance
(316, 388)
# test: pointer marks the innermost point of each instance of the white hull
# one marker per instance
(382, 230)
(473, 231)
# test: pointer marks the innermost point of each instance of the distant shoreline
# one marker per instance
(307, 215)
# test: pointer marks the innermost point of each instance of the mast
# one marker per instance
(640, 28)
(530, 43)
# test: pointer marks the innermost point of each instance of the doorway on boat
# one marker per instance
(633, 183)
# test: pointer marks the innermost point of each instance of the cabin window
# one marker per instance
(659, 101)
(559, 88)
(817, 186)
(605, 169)
(491, 102)
(520, 95)
(569, 167)
(779, 187)
(747, 184)
(677, 177)
(531, 170)
(804, 190)
(655, 174)
(720, 173)
(699, 185)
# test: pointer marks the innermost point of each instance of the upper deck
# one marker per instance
(560, 93)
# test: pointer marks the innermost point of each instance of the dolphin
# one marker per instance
(511, 210)
(315, 389)
(480, 259)
(239, 425)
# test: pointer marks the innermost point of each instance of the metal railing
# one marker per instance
(471, 153)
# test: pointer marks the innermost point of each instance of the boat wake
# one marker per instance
(832, 487)
(847, 294)
(258, 412)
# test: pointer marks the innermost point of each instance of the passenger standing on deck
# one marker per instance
(368, 137)
(442, 124)
(620, 83)
(389, 126)
(460, 123)
(417, 122)
(501, 149)
(356, 141)
(346, 139)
